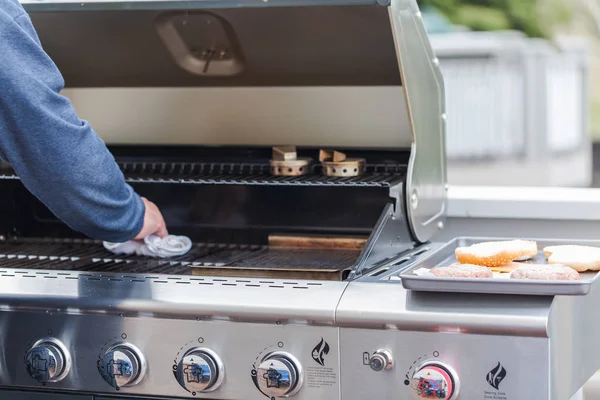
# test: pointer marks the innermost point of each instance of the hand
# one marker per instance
(153, 222)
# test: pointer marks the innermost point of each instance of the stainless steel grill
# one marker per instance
(192, 97)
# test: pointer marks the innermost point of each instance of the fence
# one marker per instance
(510, 96)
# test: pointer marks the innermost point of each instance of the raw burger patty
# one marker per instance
(548, 272)
(463, 271)
(495, 254)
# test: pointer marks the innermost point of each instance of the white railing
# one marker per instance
(510, 96)
(515, 102)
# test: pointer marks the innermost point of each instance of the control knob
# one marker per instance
(200, 370)
(434, 379)
(380, 360)
(48, 361)
(279, 375)
(122, 365)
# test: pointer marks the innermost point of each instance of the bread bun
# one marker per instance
(495, 254)
(580, 258)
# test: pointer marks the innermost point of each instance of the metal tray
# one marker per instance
(445, 256)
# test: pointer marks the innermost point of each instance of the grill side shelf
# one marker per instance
(445, 256)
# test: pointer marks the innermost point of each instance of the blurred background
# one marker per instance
(522, 88)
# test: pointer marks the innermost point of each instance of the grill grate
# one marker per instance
(377, 175)
(90, 256)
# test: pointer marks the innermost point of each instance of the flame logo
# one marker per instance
(320, 351)
(495, 376)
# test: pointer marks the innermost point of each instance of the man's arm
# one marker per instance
(58, 157)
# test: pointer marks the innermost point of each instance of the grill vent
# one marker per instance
(202, 282)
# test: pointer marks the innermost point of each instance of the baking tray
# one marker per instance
(445, 256)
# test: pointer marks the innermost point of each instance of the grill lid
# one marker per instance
(361, 72)
(218, 43)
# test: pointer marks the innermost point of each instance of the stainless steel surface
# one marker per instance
(265, 300)
(445, 256)
(279, 375)
(389, 242)
(48, 360)
(424, 92)
(164, 341)
(278, 115)
(200, 370)
(472, 356)
(574, 352)
(473, 334)
(434, 379)
(387, 305)
(381, 360)
(122, 365)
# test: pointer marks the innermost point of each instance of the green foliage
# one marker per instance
(480, 18)
(528, 16)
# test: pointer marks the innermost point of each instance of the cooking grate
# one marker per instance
(88, 255)
(376, 175)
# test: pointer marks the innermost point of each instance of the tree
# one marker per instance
(527, 16)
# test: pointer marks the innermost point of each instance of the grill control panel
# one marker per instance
(154, 357)
(441, 366)
(170, 358)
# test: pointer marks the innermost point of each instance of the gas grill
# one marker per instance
(300, 145)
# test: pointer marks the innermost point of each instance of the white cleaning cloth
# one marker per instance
(153, 246)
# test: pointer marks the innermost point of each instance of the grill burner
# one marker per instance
(204, 259)
(336, 163)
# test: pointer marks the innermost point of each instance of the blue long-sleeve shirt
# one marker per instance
(59, 157)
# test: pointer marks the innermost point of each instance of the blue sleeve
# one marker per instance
(59, 157)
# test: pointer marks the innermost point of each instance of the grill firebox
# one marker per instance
(230, 204)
